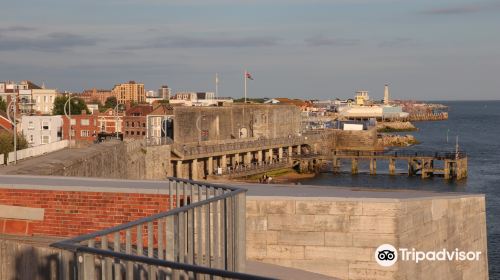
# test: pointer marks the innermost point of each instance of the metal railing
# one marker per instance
(404, 154)
(202, 236)
(254, 167)
(189, 150)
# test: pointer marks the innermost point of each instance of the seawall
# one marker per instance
(335, 232)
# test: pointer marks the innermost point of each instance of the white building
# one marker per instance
(40, 130)
(362, 97)
(198, 99)
(44, 100)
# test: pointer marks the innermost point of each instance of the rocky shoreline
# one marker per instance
(395, 126)
(392, 140)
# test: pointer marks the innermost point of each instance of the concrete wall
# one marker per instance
(338, 236)
(193, 124)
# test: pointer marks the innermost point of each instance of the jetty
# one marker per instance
(449, 165)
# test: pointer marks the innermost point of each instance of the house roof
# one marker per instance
(140, 110)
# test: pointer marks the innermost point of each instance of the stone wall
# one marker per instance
(338, 236)
(356, 140)
(194, 124)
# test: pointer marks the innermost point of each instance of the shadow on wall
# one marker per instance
(35, 263)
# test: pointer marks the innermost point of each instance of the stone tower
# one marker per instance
(386, 94)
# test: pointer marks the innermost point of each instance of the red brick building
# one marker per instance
(84, 128)
(135, 121)
(107, 121)
(91, 95)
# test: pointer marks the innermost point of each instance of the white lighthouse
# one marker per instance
(386, 95)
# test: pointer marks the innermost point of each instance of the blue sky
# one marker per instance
(441, 49)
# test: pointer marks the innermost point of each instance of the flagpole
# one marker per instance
(216, 85)
(245, 79)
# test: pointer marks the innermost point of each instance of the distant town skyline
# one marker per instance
(425, 50)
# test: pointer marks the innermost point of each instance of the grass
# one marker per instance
(273, 173)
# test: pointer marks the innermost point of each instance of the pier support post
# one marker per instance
(178, 167)
(290, 151)
(354, 166)
(210, 166)
(298, 150)
(447, 170)
(259, 156)
(270, 156)
(410, 167)
(194, 169)
(248, 158)
(335, 164)
(392, 166)
(223, 162)
(280, 153)
(373, 166)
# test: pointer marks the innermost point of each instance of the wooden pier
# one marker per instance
(449, 165)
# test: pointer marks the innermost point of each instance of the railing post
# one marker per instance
(240, 232)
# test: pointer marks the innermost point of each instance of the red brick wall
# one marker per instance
(71, 213)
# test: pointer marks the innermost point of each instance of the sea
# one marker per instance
(475, 127)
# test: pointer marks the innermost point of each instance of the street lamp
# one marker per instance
(116, 119)
(13, 104)
(68, 116)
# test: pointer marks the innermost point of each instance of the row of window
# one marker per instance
(135, 133)
(133, 124)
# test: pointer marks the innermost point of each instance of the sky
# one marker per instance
(314, 49)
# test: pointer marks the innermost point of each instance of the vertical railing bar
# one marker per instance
(216, 230)
(177, 195)
(128, 250)
(170, 195)
(116, 248)
(224, 234)
(106, 262)
(190, 238)
(150, 232)
(89, 262)
(207, 231)
(160, 272)
(140, 249)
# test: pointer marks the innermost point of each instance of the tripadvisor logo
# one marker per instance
(387, 255)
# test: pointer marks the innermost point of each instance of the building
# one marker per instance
(135, 121)
(361, 98)
(164, 92)
(130, 92)
(93, 95)
(84, 127)
(110, 121)
(44, 100)
(199, 99)
(40, 130)
(236, 121)
(303, 105)
(159, 124)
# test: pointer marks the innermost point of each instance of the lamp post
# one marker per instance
(69, 117)
(116, 120)
(13, 104)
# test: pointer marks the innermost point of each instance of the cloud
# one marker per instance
(17, 28)
(52, 42)
(397, 42)
(212, 42)
(463, 9)
(321, 40)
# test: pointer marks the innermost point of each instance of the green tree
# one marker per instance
(3, 105)
(77, 106)
(111, 102)
(7, 143)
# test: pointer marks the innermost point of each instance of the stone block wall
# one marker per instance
(356, 140)
(338, 236)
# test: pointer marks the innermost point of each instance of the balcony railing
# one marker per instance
(203, 234)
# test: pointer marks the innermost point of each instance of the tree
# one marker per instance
(3, 105)
(7, 143)
(111, 102)
(77, 106)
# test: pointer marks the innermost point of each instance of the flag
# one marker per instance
(248, 76)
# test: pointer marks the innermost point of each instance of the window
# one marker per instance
(31, 138)
(45, 125)
(84, 133)
(133, 124)
(84, 122)
(144, 133)
(143, 124)
(31, 125)
(73, 122)
(72, 133)
(45, 139)
(132, 132)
